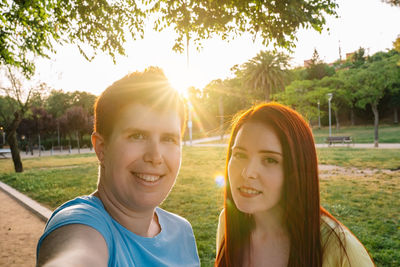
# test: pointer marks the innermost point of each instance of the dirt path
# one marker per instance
(326, 171)
(19, 231)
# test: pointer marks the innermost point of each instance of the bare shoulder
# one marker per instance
(73, 245)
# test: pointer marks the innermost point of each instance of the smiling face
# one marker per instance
(255, 169)
(142, 157)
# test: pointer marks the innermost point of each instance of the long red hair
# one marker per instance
(300, 193)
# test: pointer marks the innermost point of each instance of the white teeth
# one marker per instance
(249, 191)
(148, 177)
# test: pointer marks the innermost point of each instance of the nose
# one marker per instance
(249, 171)
(153, 153)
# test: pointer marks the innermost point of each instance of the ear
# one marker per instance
(99, 146)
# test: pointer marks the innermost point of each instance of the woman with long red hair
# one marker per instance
(272, 214)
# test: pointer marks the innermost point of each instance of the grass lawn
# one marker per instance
(360, 134)
(368, 205)
(359, 157)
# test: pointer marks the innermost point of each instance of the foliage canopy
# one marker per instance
(32, 28)
(273, 21)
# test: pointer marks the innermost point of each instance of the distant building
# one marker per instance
(307, 63)
(349, 55)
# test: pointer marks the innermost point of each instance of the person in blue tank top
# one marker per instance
(139, 122)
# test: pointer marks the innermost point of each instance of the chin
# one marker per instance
(245, 209)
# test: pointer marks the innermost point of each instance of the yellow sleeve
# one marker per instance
(333, 255)
(356, 252)
(220, 229)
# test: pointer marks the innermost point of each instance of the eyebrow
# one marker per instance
(260, 151)
(174, 135)
(131, 130)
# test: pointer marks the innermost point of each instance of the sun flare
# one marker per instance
(180, 79)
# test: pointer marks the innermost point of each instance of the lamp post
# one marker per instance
(190, 123)
(330, 95)
(319, 117)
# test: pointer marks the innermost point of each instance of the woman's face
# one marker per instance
(255, 169)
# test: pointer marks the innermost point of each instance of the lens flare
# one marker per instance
(220, 180)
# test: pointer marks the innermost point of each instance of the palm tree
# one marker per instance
(267, 72)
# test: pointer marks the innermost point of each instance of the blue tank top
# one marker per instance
(175, 245)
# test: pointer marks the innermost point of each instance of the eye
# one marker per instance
(171, 139)
(137, 136)
(270, 160)
(239, 155)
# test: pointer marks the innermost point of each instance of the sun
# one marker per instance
(180, 80)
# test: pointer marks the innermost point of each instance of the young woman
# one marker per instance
(272, 214)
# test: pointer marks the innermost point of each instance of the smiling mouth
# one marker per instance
(148, 177)
(249, 191)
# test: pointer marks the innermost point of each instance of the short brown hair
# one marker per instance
(150, 88)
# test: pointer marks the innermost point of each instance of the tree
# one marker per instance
(303, 95)
(58, 102)
(85, 100)
(13, 108)
(374, 81)
(33, 27)
(341, 97)
(392, 2)
(317, 68)
(38, 123)
(220, 100)
(358, 58)
(273, 21)
(396, 44)
(77, 120)
(266, 72)
(350, 86)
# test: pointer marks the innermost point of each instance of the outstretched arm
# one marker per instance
(73, 245)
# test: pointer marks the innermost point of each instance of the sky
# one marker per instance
(370, 24)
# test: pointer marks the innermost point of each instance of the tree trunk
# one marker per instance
(221, 114)
(12, 141)
(337, 119)
(77, 139)
(69, 143)
(396, 118)
(30, 146)
(376, 124)
(40, 144)
(267, 95)
(352, 117)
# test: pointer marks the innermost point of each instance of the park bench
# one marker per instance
(4, 151)
(339, 140)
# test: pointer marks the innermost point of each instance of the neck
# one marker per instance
(143, 223)
(270, 241)
(270, 224)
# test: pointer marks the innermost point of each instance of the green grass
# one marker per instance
(360, 157)
(360, 134)
(369, 206)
